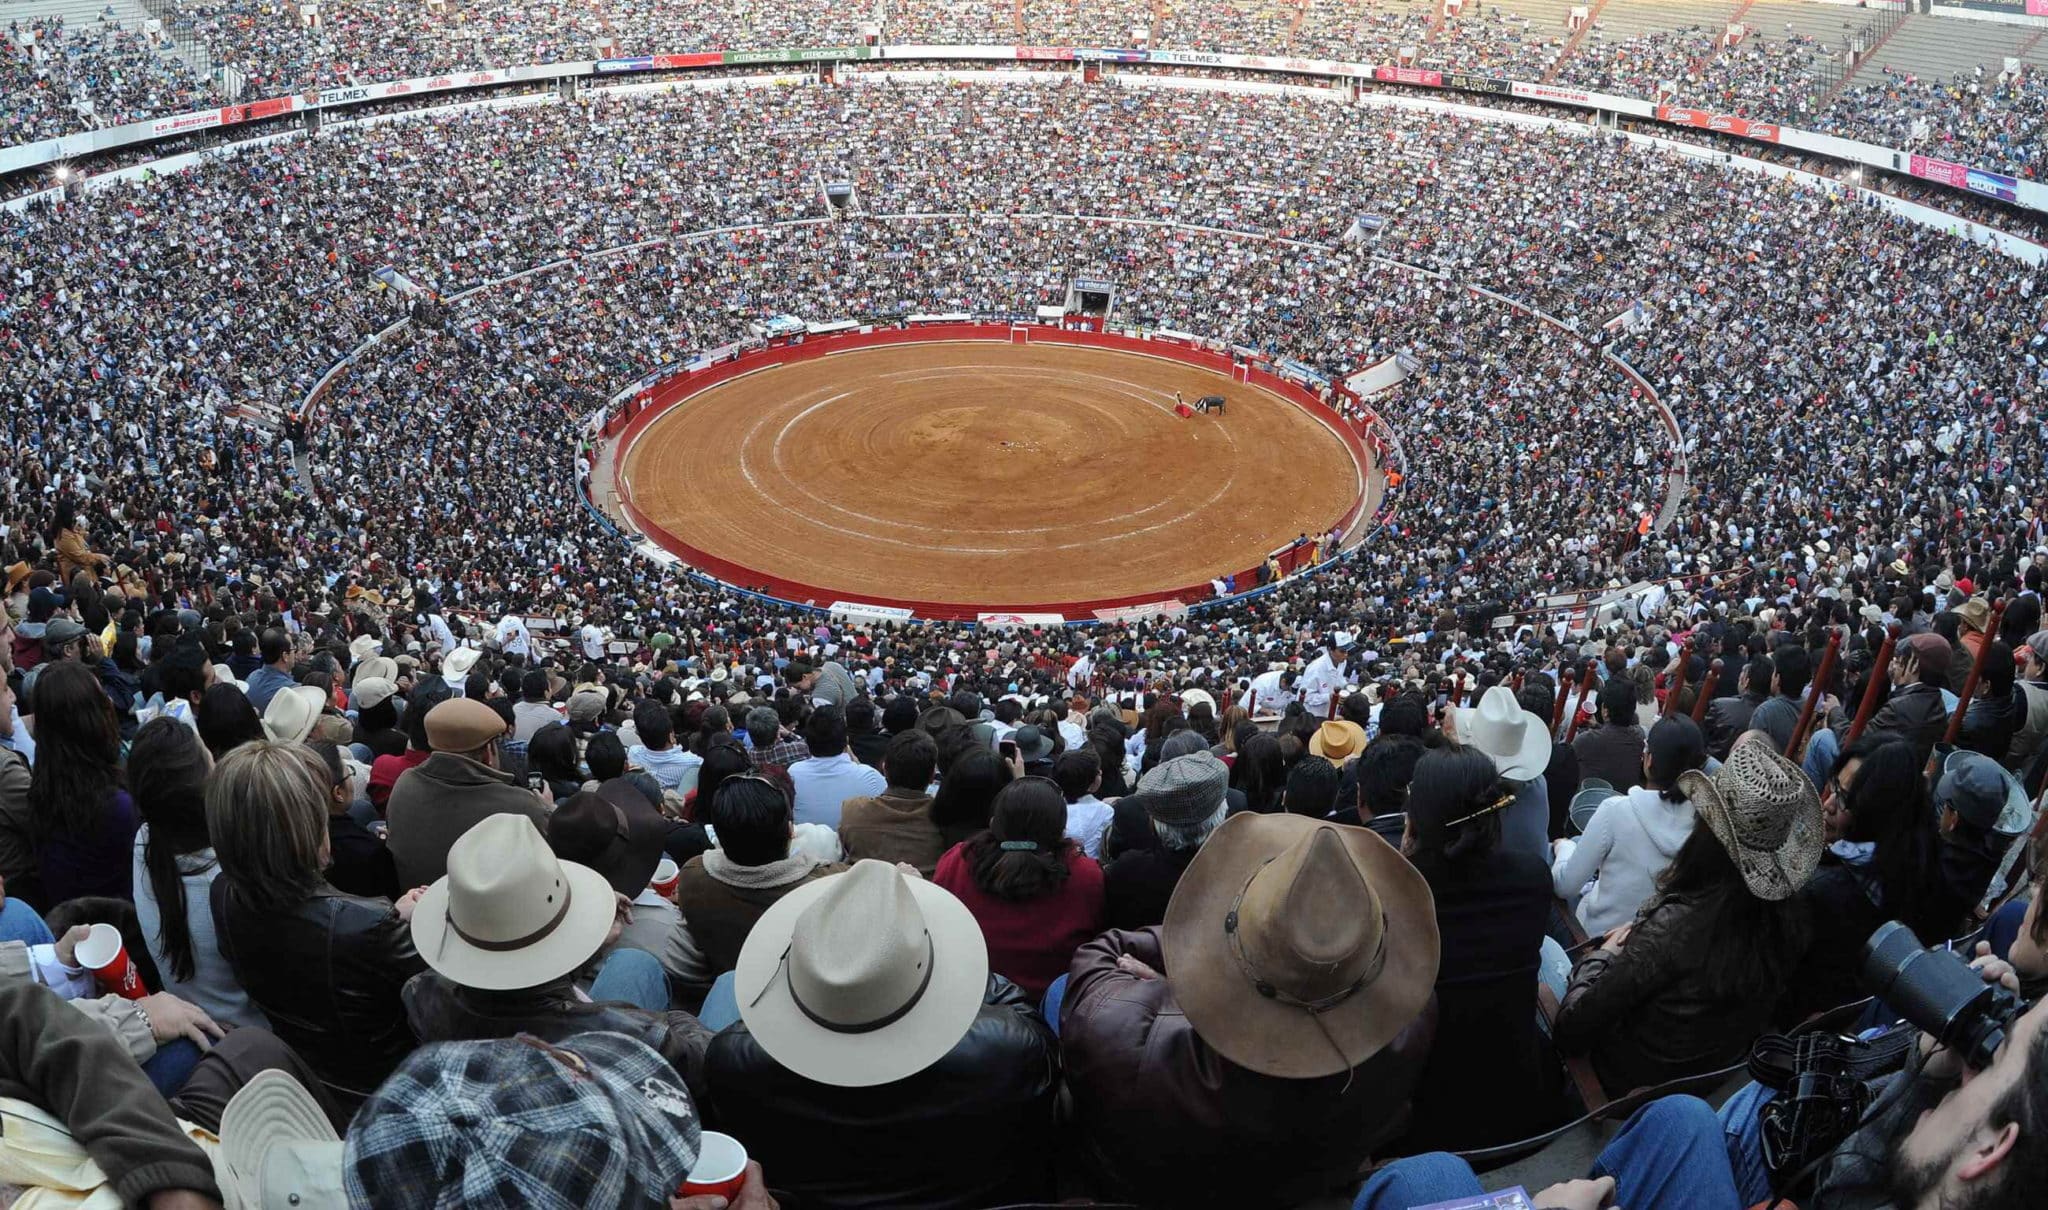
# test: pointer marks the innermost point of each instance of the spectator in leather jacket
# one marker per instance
(326, 968)
(1180, 1068)
(877, 1062)
(1689, 985)
(1998, 711)
(1728, 717)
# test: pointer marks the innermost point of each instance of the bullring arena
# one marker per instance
(832, 471)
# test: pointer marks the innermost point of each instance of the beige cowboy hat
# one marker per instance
(292, 711)
(1298, 948)
(456, 664)
(1337, 741)
(376, 667)
(508, 914)
(1518, 741)
(363, 646)
(1190, 698)
(1764, 811)
(863, 977)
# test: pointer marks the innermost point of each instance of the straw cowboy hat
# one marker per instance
(1763, 810)
(292, 711)
(863, 977)
(1298, 948)
(1337, 741)
(509, 915)
(1518, 741)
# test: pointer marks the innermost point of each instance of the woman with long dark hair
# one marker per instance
(1259, 774)
(83, 818)
(551, 752)
(1611, 871)
(175, 868)
(226, 719)
(967, 793)
(1492, 906)
(1882, 863)
(1037, 896)
(1686, 988)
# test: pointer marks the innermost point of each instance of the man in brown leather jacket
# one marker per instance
(1211, 1063)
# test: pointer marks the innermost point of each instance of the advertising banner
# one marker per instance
(1171, 608)
(1011, 620)
(1929, 168)
(859, 611)
(1991, 184)
(1764, 132)
(1063, 54)
(708, 58)
(1472, 83)
(811, 55)
(205, 119)
(1409, 75)
(636, 63)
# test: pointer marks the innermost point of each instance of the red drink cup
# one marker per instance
(721, 1168)
(666, 876)
(103, 954)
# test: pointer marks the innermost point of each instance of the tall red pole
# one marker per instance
(1677, 684)
(1586, 680)
(1813, 692)
(1871, 691)
(1955, 721)
(1699, 706)
(1564, 691)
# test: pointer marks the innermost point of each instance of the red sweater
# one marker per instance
(1031, 942)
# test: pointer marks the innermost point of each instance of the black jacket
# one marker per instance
(1137, 885)
(1648, 1014)
(1915, 712)
(1991, 723)
(359, 864)
(1727, 718)
(1491, 913)
(328, 973)
(973, 1129)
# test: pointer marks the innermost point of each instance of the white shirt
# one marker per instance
(1268, 694)
(593, 642)
(1081, 673)
(1320, 681)
(513, 637)
(1088, 817)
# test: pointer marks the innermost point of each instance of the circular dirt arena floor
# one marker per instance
(987, 474)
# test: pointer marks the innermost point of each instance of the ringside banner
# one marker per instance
(1013, 620)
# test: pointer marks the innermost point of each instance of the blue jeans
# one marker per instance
(1054, 995)
(631, 977)
(721, 1004)
(19, 922)
(1742, 1124)
(1670, 1156)
(172, 1065)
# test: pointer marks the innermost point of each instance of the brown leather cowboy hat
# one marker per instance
(1299, 948)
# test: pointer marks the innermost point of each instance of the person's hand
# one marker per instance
(753, 1196)
(1578, 1195)
(67, 945)
(1016, 763)
(407, 902)
(170, 1017)
(94, 652)
(1943, 1063)
(621, 917)
(1617, 939)
(1131, 966)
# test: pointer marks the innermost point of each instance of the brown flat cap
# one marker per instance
(462, 724)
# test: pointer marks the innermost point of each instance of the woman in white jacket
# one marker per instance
(1612, 870)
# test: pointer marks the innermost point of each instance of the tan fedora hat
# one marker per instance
(1518, 741)
(1299, 948)
(508, 914)
(863, 977)
(1337, 741)
(292, 711)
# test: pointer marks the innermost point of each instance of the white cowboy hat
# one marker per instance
(290, 716)
(456, 664)
(1189, 698)
(863, 977)
(364, 646)
(719, 673)
(1518, 741)
(508, 914)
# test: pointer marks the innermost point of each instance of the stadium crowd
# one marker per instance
(402, 787)
(77, 79)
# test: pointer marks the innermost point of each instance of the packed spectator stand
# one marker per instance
(901, 908)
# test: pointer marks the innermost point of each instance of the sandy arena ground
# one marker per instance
(986, 473)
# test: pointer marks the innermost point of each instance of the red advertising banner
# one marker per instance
(709, 58)
(1928, 168)
(1723, 123)
(1409, 75)
(255, 111)
(1065, 53)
